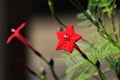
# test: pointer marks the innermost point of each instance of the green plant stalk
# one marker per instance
(113, 22)
(117, 69)
(119, 37)
(119, 24)
(98, 69)
(79, 7)
(51, 6)
(50, 66)
(53, 72)
(102, 77)
(28, 69)
(113, 26)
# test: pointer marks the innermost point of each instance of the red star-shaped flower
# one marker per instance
(16, 34)
(67, 39)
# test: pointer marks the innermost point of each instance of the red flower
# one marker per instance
(67, 39)
(16, 33)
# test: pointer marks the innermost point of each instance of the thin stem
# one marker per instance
(80, 8)
(28, 69)
(113, 22)
(113, 26)
(53, 72)
(86, 58)
(99, 70)
(117, 69)
(50, 66)
(59, 21)
(119, 23)
(107, 35)
(51, 6)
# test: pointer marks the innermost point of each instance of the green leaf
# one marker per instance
(84, 76)
(81, 16)
(84, 23)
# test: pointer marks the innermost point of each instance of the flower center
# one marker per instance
(12, 30)
(67, 38)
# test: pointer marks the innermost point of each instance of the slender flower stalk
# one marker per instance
(97, 65)
(28, 69)
(51, 63)
(117, 69)
(51, 6)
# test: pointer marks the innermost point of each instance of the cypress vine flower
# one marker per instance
(16, 34)
(67, 39)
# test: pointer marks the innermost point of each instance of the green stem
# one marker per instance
(112, 20)
(102, 77)
(28, 69)
(119, 23)
(51, 69)
(51, 6)
(98, 69)
(80, 8)
(117, 69)
(53, 72)
(113, 25)
(59, 21)
(107, 35)
(50, 66)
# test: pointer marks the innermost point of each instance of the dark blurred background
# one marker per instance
(12, 13)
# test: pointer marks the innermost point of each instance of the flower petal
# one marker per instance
(76, 37)
(70, 30)
(21, 26)
(60, 45)
(23, 40)
(60, 35)
(10, 38)
(67, 39)
(69, 46)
